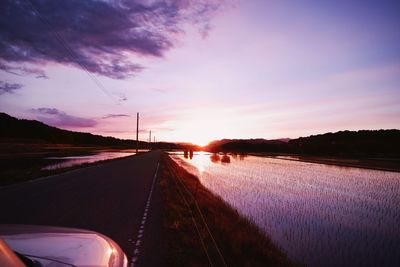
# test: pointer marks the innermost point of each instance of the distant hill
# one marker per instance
(32, 131)
(385, 143)
(243, 145)
(20, 130)
(379, 143)
(363, 142)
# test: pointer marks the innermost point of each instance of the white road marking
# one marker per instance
(136, 251)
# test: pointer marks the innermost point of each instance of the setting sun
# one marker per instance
(202, 126)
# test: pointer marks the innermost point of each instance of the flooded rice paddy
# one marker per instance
(320, 215)
(66, 162)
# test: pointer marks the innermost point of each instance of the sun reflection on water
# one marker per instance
(201, 161)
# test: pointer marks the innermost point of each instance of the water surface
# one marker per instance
(321, 215)
(65, 162)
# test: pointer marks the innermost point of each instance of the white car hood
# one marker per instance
(52, 245)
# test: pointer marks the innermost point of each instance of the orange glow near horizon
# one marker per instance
(201, 126)
(196, 135)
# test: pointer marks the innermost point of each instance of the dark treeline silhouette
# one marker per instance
(377, 143)
(31, 131)
(247, 145)
(384, 143)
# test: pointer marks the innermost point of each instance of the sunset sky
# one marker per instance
(202, 70)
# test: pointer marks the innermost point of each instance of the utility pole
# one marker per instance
(137, 132)
(150, 140)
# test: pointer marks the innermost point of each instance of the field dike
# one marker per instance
(201, 229)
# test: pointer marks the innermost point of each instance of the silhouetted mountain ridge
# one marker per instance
(32, 130)
(379, 143)
(362, 142)
(385, 143)
(245, 145)
(249, 141)
(21, 130)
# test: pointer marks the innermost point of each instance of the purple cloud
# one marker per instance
(115, 116)
(55, 117)
(9, 88)
(99, 35)
(21, 70)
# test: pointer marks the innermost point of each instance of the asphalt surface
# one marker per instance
(109, 198)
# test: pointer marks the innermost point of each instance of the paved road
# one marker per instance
(109, 198)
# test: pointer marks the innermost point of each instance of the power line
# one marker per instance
(70, 52)
(137, 132)
(195, 224)
(204, 222)
(184, 187)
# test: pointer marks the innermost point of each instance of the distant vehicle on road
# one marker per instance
(36, 246)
